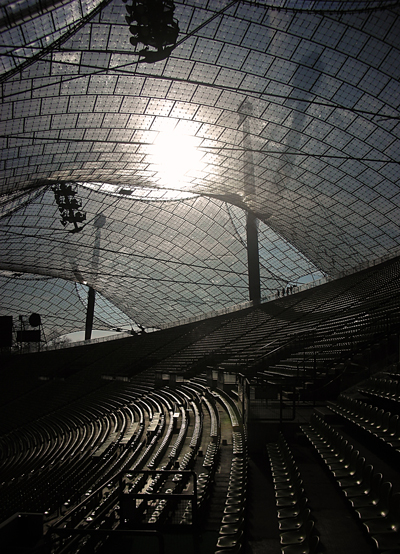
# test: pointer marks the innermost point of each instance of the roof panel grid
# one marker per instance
(293, 115)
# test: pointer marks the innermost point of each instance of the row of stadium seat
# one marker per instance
(369, 496)
(378, 424)
(296, 526)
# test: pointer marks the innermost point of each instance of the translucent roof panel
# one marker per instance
(287, 109)
(61, 305)
(159, 260)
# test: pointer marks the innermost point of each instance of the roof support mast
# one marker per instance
(90, 313)
(98, 224)
(253, 261)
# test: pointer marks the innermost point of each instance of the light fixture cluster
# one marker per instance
(152, 23)
(69, 205)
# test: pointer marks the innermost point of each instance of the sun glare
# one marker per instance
(176, 156)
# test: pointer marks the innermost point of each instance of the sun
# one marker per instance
(176, 158)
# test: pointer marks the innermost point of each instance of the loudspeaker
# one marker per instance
(6, 326)
(34, 320)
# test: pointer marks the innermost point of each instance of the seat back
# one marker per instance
(355, 454)
(393, 425)
(385, 494)
(368, 472)
(360, 466)
(342, 449)
(385, 421)
(376, 483)
(308, 528)
(394, 510)
(373, 414)
(313, 544)
(348, 454)
(379, 418)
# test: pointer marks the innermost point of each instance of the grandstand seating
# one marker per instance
(378, 424)
(297, 529)
(68, 436)
(369, 495)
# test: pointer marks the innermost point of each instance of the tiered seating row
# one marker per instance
(55, 469)
(231, 530)
(155, 460)
(369, 496)
(377, 423)
(210, 461)
(198, 426)
(380, 389)
(228, 405)
(82, 447)
(215, 424)
(177, 447)
(296, 526)
(232, 524)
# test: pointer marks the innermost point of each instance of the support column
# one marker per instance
(249, 189)
(98, 224)
(253, 260)
(90, 313)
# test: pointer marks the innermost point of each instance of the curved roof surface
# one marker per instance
(287, 109)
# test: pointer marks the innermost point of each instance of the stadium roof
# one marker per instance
(289, 109)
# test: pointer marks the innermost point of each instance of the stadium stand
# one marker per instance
(215, 187)
(171, 456)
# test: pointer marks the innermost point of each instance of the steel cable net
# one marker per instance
(61, 305)
(158, 262)
(323, 7)
(290, 110)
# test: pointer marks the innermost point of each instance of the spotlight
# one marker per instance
(69, 206)
(155, 27)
